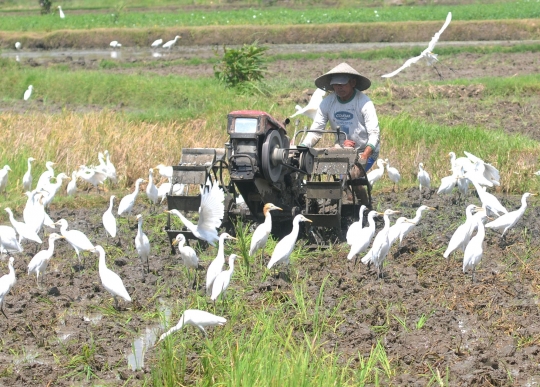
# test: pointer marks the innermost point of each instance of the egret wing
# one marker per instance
(212, 209)
(436, 37)
(407, 63)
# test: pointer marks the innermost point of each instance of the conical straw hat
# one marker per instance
(323, 82)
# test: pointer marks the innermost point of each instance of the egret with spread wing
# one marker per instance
(311, 108)
(427, 53)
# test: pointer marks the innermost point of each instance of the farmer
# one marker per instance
(351, 110)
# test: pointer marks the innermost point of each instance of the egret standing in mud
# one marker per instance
(109, 221)
(188, 255)
(6, 283)
(142, 244)
(222, 281)
(355, 227)
(507, 221)
(363, 239)
(110, 280)
(262, 232)
(474, 250)
(77, 239)
(27, 178)
(40, 261)
(128, 201)
(216, 266)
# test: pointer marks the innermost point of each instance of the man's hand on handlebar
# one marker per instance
(349, 143)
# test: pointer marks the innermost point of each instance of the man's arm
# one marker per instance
(319, 123)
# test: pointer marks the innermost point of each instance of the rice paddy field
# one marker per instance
(328, 323)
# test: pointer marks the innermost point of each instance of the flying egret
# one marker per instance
(197, 318)
(216, 266)
(423, 177)
(109, 221)
(363, 238)
(211, 213)
(490, 172)
(393, 174)
(188, 255)
(428, 54)
(45, 176)
(165, 171)
(24, 230)
(115, 44)
(474, 250)
(6, 283)
(62, 15)
(488, 200)
(110, 280)
(28, 93)
(72, 185)
(311, 108)
(376, 174)
(111, 169)
(4, 178)
(462, 235)
(8, 240)
(39, 262)
(27, 178)
(128, 201)
(222, 281)
(151, 189)
(285, 247)
(171, 43)
(381, 244)
(78, 240)
(260, 236)
(507, 221)
(142, 244)
(407, 226)
(18, 45)
(354, 228)
(156, 43)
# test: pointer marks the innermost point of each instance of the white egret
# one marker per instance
(461, 162)
(537, 173)
(488, 200)
(407, 226)
(23, 230)
(211, 213)
(52, 189)
(188, 255)
(197, 318)
(447, 184)
(151, 189)
(8, 240)
(78, 240)
(142, 244)
(171, 43)
(463, 183)
(4, 178)
(109, 221)
(355, 227)
(428, 54)
(18, 45)
(28, 93)
(393, 174)
(311, 108)
(39, 262)
(115, 44)
(165, 189)
(363, 238)
(34, 212)
(6, 283)
(72, 185)
(381, 244)
(62, 15)
(393, 233)
(262, 232)
(45, 176)
(474, 250)
(156, 43)
(128, 201)
(423, 177)
(27, 178)
(285, 247)
(462, 235)
(92, 176)
(376, 174)
(165, 171)
(111, 169)
(507, 221)
(110, 280)
(490, 172)
(222, 281)
(216, 266)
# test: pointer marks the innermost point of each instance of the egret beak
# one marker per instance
(281, 209)
(432, 209)
(175, 242)
(308, 220)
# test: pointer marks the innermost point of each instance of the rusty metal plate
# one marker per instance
(323, 190)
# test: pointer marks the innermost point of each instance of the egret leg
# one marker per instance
(115, 303)
(4, 313)
(262, 258)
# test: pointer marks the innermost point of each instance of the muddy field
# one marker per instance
(483, 333)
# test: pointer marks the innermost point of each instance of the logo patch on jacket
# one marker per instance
(343, 116)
